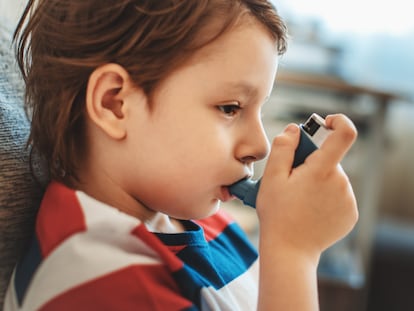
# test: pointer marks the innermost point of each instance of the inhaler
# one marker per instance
(312, 134)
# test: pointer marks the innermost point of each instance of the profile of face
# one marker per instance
(202, 130)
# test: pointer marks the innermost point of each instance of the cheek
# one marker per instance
(195, 143)
(179, 196)
(191, 164)
(186, 148)
(206, 154)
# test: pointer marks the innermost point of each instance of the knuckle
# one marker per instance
(349, 131)
(340, 179)
(344, 181)
(352, 211)
(345, 187)
(349, 134)
(355, 214)
(281, 140)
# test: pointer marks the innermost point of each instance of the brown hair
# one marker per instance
(59, 43)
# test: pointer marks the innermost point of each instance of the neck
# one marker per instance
(101, 186)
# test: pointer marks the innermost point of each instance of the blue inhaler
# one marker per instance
(312, 134)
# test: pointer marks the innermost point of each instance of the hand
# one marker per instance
(308, 208)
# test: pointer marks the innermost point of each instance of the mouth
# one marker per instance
(225, 194)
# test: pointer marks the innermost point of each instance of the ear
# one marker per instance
(105, 98)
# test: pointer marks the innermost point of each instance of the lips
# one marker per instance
(225, 194)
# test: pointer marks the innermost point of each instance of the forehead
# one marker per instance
(240, 63)
(241, 33)
(245, 51)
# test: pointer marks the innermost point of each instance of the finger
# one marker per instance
(338, 142)
(281, 156)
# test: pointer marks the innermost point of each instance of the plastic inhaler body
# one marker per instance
(312, 134)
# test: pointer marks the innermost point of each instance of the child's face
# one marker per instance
(204, 130)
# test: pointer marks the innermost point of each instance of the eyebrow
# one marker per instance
(243, 88)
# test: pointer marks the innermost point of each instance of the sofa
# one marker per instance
(20, 191)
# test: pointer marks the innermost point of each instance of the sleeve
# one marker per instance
(99, 270)
(144, 287)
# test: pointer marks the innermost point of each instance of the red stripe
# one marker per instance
(144, 288)
(60, 216)
(215, 225)
(176, 248)
(155, 243)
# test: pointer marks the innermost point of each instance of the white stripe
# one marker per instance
(239, 295)
(10, 301)
(107, 246)
(98, 215)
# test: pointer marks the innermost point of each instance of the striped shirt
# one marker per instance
(87, 255)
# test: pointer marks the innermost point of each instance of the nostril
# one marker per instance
(248, 159)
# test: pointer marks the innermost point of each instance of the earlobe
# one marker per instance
(105, 99)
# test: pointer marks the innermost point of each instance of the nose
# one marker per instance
(254, 144)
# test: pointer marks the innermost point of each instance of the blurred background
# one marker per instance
(355, 57)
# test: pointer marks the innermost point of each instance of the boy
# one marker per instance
(146, 112)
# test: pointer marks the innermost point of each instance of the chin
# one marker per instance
(192, 211)
(210, 211)
(199, 212)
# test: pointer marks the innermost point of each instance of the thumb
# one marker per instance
(282, 154)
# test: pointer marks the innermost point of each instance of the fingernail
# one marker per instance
(291, 128)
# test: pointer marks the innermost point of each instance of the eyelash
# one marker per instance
(229, 110)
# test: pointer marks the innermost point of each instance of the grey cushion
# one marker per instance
(20, 193)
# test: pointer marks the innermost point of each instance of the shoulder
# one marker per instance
(84, 249)
(221, 228)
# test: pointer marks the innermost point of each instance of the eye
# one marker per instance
(229, 110)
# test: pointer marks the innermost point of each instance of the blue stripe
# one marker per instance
(190, 285)
(26, 268)
(214, 264)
